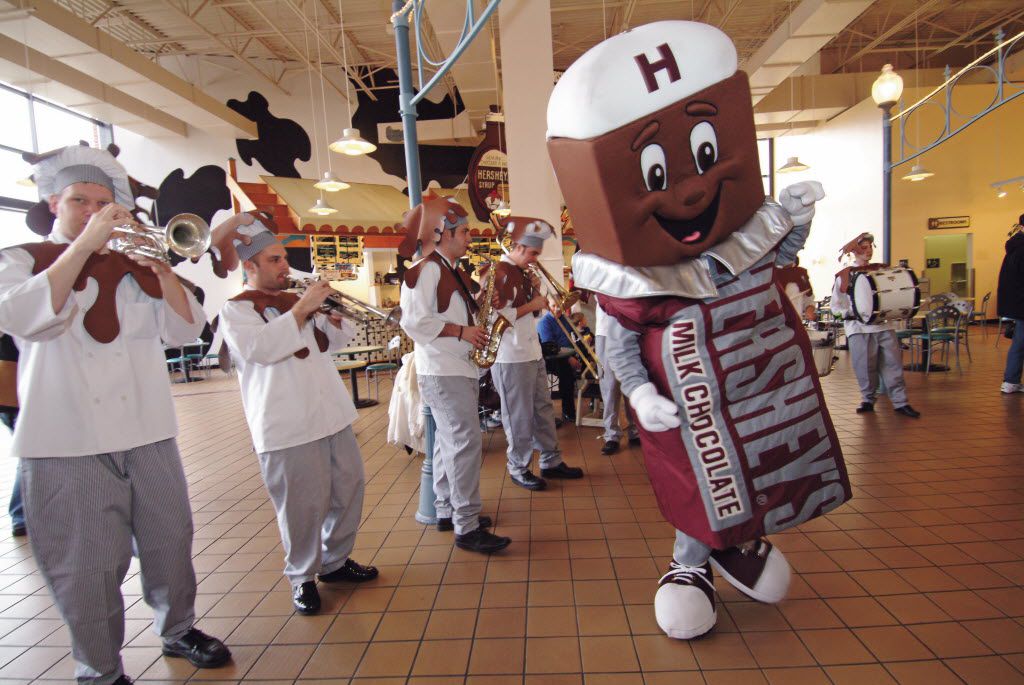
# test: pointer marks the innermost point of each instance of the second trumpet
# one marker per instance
(350, 307)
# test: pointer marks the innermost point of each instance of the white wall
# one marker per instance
(845, 155)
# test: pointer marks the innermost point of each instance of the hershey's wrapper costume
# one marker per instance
(651, 134)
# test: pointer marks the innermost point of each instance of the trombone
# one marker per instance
(564, 300)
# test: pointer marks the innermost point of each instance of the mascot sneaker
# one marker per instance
(684, 605)
(758, 570)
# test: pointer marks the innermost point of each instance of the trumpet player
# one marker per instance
(300, 416)
(101, 473)
(520, 375)
(438, 308)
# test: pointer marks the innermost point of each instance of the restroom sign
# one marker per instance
(936, 223)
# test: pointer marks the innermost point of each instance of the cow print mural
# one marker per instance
(279, 142)
(203, 193)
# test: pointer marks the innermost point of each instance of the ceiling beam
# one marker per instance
(36, 62)
(924, 9)
(246, 62)
(1007, 15)
(620, 19)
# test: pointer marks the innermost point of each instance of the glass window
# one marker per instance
(16, 130)
(13, 172)
(13, 230)
(764, 153)
(57, 128)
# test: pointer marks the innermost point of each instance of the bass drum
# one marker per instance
(884, 294)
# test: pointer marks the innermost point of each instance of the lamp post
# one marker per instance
(886, 91)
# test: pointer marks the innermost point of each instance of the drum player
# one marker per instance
(874, 347)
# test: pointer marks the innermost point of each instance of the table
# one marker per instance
(186, 363)
(925, 363)
(352, 366)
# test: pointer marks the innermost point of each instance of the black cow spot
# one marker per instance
(279, 142)
(203, 193)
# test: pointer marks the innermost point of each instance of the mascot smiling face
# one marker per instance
(651, 134)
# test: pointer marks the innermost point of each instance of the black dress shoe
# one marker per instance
(527, 480)
(907, 410)
(19, 530)
(445, 524)
(201, 650)
(865, 407)
(123, 680)
(480, 540)
(559, 423)
(634, 441)
(306, 598)
(610, 447)
(351, 572)
(563, 471)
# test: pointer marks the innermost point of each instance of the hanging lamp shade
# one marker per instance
(918, 173)
(887, 88)
(330, 183)
(321, 208)
(793, 164)
(1001, 193)
(351, 143)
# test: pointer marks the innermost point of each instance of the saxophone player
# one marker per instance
(520, 375)
(438, 314)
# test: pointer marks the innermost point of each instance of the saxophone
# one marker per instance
(485, 357)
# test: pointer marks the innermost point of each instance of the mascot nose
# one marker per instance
(693, 197)
(689, 191)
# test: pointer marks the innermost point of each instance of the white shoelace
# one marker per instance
(679, 573)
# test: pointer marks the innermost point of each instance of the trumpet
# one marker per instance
(350, 307)
(187, 235)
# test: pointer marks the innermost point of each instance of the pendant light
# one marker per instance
(350, 143)
(331, 183)
(321, 207)
(918, 173)
(792, 164)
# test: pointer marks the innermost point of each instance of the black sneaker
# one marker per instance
(480, 540)
(306, 598)
(351, 572)
(527, 480)
(865, 407)
(757, 569)
(684, 604)
(907, 410)
(123, 680)
(445, 524)
(19, 530)
(563, 471)
(610, 447)
(201, 650)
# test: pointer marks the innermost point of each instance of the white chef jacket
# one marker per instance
(435, 356)
(601, 324)
(78, 396)
(520, 342)
(288, 401)
(843, 306)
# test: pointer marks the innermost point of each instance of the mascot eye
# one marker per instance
(652, 164)
(704, 145)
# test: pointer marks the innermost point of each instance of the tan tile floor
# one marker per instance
(920, 579)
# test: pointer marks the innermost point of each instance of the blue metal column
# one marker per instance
(886, 183)
(406, 107)
(426, 513)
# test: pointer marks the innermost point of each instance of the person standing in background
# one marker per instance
(1011, 306)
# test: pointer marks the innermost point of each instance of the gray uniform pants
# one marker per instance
(610, 395)
(526, 414)
(689, 551)
(317, 491)
(87, 516)
(871, 353)
(457, 448)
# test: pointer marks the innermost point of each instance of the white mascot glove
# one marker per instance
(655, 413)
(799, 198)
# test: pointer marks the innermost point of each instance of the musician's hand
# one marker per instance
(309, 303)
(335, 318)
(575, 363)
(654, 412)
(101, 224)
(496, 300)
(475, 336)
(161, 270)
(538, 303)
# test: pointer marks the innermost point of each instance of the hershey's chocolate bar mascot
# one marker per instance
(651, 134)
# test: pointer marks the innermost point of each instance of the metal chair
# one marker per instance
(937, 332)
(983, 312)
(389, 366)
